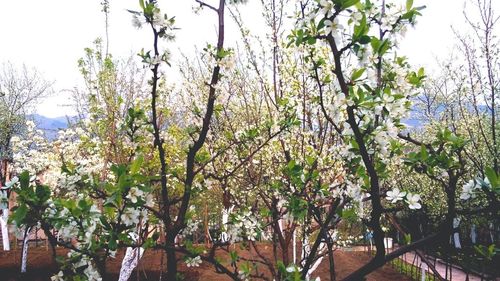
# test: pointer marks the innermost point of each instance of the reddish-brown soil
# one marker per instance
(41, 266)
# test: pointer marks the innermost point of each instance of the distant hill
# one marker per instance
(50, 126)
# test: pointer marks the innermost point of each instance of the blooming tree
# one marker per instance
(284, 146)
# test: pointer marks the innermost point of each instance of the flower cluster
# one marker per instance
(413, 200)
(132, 216)
(190, 228)
(82, 266)
(469, 189)
(346, 240)
(193, 262)
(244, 226)
(32, 152)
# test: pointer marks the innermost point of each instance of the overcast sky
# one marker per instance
(51, 35)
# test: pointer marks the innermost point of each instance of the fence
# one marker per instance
(425, 265)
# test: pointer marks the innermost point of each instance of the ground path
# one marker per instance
(455, 273)
(41, 266)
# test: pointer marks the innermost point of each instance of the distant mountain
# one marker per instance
(50, 126)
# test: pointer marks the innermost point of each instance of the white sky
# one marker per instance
(51, 35)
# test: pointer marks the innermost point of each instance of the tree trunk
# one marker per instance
(473, 234)
(24, 256)
(224, 237)
(306, 251)
(316, 263)
(5, 229)
(331, 260)
(171, 259)
(456, 234)
(130, 261)
(294, 246)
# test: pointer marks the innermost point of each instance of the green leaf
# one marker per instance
(42, 193)
(281, 267)
(298, 207)
(361, 29)
(492, 177)
(310, 160)
(407, 238)
(112, 244)
(349, 214)
(19, 214)
(234, 256)
(357, 74)
(327, 79)
(409, 4)
(24, 179)
(136, 164)
(375, 42)
(408, 15)
(311, 40)
(421, 72)
(487, 252)
(348, 3)
(291, 165)
(423, 153)
(384, 47)
(365, 39)
(299, 37)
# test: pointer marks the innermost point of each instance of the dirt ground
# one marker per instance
(41, 266)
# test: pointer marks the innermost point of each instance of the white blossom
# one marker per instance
(395, 195)
(193, 262)
(58, 277)
(136, 22)
(130, 216)
(335, 28)
(326, 8)
(468, 189)
(134, 193)
(413, 201)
